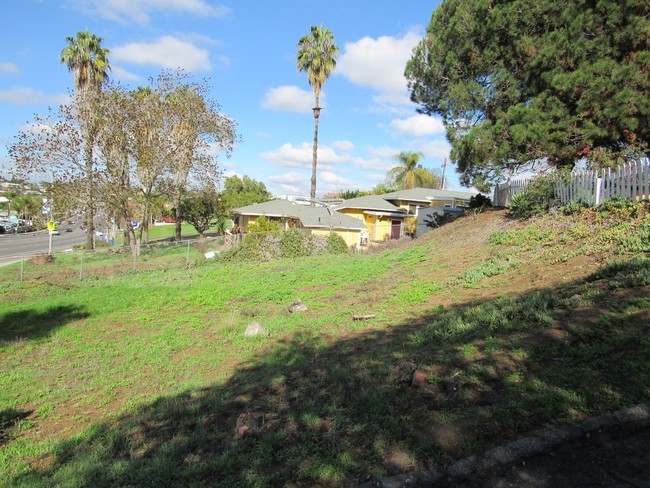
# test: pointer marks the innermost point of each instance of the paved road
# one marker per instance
(13, 247)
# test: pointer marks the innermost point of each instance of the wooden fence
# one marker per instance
(630, 181)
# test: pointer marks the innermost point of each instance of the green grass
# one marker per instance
(138, 377)
(168, 231)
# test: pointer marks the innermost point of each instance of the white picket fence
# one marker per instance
(630, 181)
(503, 193)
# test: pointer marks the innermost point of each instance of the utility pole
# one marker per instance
(444, 170)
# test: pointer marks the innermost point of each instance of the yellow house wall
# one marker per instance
(246, 221)
(410, 223)
(353, 212)
(382, 229)
(378, 227)
(453, 203)
(351, 237)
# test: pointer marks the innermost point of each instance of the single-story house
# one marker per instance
(396, 214)
(446, 202)
(318, 219)
(383, 219)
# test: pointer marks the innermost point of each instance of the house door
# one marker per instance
(395, 229)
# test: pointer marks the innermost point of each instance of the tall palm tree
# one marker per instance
(317, 56)
(410, 173)
(85, 57)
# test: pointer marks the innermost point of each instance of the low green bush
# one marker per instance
(537, 199)
(572, 208)
(336, 244)
(296, 243)
(479, 201)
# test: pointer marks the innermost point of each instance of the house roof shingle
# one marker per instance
(426, 195)
(370, 202)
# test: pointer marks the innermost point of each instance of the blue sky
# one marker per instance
(247, 51)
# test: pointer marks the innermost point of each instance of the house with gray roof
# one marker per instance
(319, 219)
(405, 212)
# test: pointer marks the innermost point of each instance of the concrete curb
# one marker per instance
(637, 416)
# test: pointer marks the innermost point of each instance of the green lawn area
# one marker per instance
(165, 231)
(143, 377)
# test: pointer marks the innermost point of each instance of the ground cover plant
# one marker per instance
(144, 377)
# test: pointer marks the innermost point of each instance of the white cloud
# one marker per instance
(290, 156)
(376, 177)
(166, 52)
(139, 11)
(438, 148)
(419, 125)
(296, 183)
(10, 68)
(343, 146)
(289, 99)
(292, 183)
(383, 152)
(124, 75)
(332, 179)
(23, 95)
(373, 164)
(379, 64)
(290, 178)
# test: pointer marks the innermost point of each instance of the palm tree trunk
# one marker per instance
(315, 152)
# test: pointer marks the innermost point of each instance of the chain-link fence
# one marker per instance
(113, 261)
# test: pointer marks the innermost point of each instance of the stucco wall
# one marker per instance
(351, 237)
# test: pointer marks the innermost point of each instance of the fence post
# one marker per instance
(599, 183)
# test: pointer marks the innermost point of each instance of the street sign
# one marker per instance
(51, 225)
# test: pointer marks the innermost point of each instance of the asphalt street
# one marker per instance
(14, 247)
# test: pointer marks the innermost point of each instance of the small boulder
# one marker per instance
(255, 329)
(297, 306)
(419, 378)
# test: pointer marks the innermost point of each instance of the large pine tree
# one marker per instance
(530, 80)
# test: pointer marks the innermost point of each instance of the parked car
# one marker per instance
(167, 220)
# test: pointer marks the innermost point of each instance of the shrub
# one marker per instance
(617, 207)
(537, 199)
(336, 244)
(295, 243)
(263, 224)
(479, 201)
(572, 208)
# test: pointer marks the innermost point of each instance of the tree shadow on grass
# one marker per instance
(313, 412)
(8, 419)
(32, 324)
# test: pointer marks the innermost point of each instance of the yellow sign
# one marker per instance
(51, 225)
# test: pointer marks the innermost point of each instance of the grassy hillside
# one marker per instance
(145, 378)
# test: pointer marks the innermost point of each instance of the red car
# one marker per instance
(167, 220)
